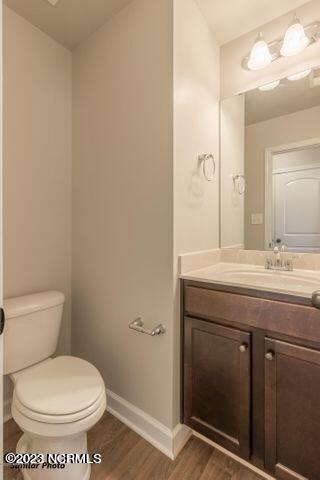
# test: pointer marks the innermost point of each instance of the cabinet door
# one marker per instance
(292, 416)
(217, 384)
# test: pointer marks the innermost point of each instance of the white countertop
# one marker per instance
(300, 283)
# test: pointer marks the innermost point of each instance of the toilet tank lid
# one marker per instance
(16, 307)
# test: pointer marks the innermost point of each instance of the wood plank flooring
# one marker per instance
(126, 456)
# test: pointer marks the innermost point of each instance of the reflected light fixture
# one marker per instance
(299, 76)
(260, 56)
(269, 86)
(295, 39)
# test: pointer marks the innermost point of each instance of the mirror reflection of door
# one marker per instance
(296, 199)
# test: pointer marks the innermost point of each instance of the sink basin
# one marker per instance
(299, 282)
(271, 277)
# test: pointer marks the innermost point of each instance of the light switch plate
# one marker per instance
(256, 218)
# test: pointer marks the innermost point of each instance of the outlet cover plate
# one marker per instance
(256, 218)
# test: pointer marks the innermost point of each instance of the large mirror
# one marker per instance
(270, 166)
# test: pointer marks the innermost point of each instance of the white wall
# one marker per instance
(277, 132)
(123, 203)
(196, 131)
(37, 164)
(235, 79)
(232, 163)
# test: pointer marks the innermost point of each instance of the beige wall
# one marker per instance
(279, 131)
(232, 163)
(37, 164)
(122, 203)
(235, 79)
(196, 131)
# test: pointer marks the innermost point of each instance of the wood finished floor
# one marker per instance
(126, 456)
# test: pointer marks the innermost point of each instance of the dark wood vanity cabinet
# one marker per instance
(218, 383)
(251, 377)
(292, 410)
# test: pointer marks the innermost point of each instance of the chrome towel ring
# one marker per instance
(239, 183)
(208, 166)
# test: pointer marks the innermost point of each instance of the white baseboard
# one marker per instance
(7, 415)
(181, 435)
(169, 442)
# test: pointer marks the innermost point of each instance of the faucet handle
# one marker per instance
(269, 263)
(284, 248)
(288, 264)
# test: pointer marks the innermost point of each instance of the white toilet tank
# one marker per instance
(31, 330)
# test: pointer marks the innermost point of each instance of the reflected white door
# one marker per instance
(297, 209)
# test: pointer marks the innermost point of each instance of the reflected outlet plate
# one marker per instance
(256, 218)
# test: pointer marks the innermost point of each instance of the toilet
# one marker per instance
(55, 400)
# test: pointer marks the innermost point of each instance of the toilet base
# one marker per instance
(74, 444)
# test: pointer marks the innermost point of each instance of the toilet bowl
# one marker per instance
(55, 400)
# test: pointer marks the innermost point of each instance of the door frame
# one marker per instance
(268, 195)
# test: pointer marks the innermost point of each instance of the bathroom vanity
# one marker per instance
(251, 374)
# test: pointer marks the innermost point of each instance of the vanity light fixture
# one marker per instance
(260, 56)
(295, 39)
(299, 76)
(269, 86)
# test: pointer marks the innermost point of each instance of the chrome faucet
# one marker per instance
(279, 261)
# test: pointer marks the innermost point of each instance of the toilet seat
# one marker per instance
(58, 419)
(63, 386)
(65, 393)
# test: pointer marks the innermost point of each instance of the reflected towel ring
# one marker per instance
(208, 166)
(239, 183)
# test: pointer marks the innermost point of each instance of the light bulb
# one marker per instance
(260, 56)
(269, 86)
(299, 76)
(295, 39)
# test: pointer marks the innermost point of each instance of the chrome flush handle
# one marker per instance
(2, 320)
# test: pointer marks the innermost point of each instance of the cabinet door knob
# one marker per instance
(243, 348)
(270, 356)
(316, 299)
